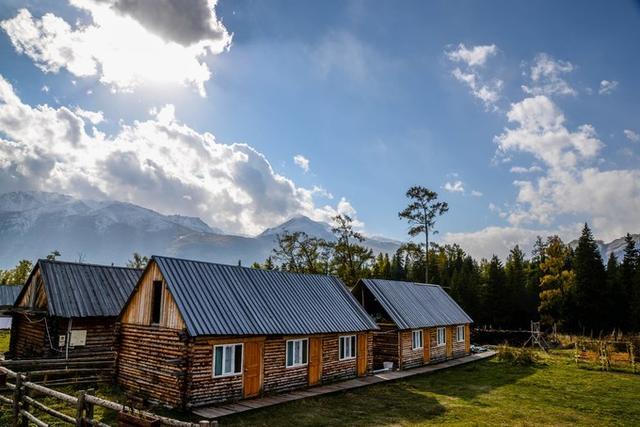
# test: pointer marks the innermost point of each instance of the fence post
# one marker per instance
(16, 401)
(89, 405)
(25, 404)
(80, 410)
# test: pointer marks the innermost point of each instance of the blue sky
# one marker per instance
(376, 96)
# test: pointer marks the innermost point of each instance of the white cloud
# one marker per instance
(607, 86)
(454, 187)
(631, 135)
(45, 88)
(570, 185)
(95, 117)
(521, 169)
(127, 43)
(476, 193)
(301, 161)
(488, 91)
(158, 163)
(474, 56)
(546, 77)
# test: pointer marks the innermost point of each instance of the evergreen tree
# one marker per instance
(617, 294)
(138, 261)
(495, 294)
(350, 258)
(592, 304)
(628, 271)
(516, 291)
(556, 284)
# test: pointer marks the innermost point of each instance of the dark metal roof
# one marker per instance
(415, 305)
(9, 294)
(216, 299)
(86, 290)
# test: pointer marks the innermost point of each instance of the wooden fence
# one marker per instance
(26, 410)
(609, 354)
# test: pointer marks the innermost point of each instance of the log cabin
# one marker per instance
(419, 323)
(197, 333)
(69, 310)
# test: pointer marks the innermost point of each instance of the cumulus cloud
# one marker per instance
(546, 77)
(302, 162)
(522, 169)
(607, 86)
(95, 117)
(476, 193)
(631, 135)
(127, 43)
(474, 56)
(159, 163)
(570, 185)
(454, 187)
(486, 90)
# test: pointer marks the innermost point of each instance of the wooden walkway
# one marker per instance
(214, 412)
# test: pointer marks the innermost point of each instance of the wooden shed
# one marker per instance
(68, 310)
(8, 295)
(196, 333)
(419, 323)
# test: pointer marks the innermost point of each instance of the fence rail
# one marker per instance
(25, 409)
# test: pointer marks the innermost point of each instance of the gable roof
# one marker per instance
(415, 305)
(9, 294)
(85, 290)
(217, 299)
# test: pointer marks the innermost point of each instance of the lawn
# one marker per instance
(4, 341)
(552, 392)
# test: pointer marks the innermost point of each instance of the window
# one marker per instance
(460, 333)
(156, 302)
(297, 352)
(416, 340)
(347, 347)
(441, 337)
(227, 360)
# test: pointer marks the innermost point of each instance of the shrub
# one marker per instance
(517, 356)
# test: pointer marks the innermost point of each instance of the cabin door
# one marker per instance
(315, 360)
(252, 368)
(362, 355)
(449, 337)
(426, 344)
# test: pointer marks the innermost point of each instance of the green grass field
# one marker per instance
(552, 392)
(4, 341)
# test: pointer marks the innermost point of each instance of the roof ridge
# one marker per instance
(88, 264)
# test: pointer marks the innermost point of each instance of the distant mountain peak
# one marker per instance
(300, 223)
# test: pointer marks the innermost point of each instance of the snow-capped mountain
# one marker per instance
(34, 223)
(615, 246)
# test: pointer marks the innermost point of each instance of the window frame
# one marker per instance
(229, 374)
(460, 328)
(156, 284)
(413, 334)
(444, 336)
(286, 353)
(353, 346)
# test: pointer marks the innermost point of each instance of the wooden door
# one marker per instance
(449, 338)
(252, 382)
(362, 355)
(426, 344)
(315, 360)
(467, 338)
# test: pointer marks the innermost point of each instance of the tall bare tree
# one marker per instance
(421, 215)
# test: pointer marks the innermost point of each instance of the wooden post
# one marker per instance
(25, 403)
(80, 410)
(89, 406)
(16, 401)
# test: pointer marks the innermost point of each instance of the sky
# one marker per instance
(523, 116)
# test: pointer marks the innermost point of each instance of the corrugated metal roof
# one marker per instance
(86, 290)
(216, 299)
(9, 294)
(416, 305)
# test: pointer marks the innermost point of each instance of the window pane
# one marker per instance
(289, 353)
(218, 361)
(341, 348)
(353, 346)
(304, 345)
(238, 359)
(228, 359)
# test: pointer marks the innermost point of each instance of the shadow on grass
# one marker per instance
(415, 400)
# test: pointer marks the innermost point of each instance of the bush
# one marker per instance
(517, 356)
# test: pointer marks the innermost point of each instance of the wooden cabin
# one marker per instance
(419, 323)
(8, 296)
(68, 310)
(196, 333)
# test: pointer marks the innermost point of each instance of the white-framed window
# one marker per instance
(442, 338)
(460, 333)
(227, 360)
(297, 352)
(347, 347)
(416, 340)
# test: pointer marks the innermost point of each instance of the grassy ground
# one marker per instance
(552, 392)
(4, 341)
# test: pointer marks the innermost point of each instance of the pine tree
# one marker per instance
(516, 292)
(629, 268)
(617, 293)
(592, 305)
(495, 294)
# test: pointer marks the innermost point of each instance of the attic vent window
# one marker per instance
(156, 302)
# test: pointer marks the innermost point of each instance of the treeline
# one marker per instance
(571, 288)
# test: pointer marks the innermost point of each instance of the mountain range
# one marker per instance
(32, 224)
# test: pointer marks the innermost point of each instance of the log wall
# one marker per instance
(277, 377)
(153, 362)
(28, 337)
(334, 369)
(385, 345)
(410, 358)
